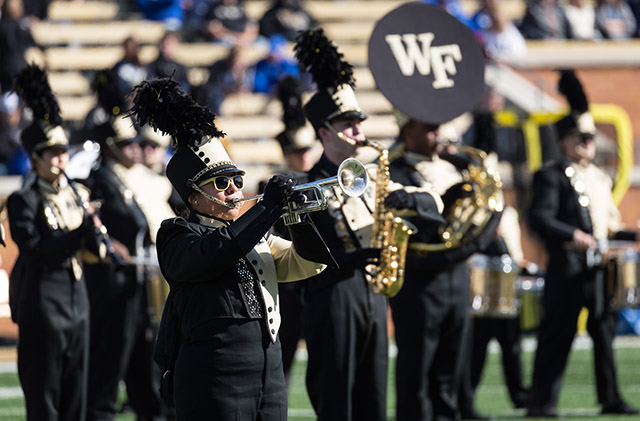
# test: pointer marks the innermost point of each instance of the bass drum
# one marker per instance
(493, 286)
(530, 289)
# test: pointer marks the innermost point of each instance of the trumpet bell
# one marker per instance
(352, 177)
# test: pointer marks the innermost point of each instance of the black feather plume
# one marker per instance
(105, 85)
(33, 87)
(319, 56)
(289, 93)
(571, 88)
(164, 106)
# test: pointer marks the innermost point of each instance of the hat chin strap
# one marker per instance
(236, 205)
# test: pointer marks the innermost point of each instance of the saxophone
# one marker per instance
(390, 234)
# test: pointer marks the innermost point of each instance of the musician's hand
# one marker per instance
(583, 241)
(361, 258)
(400, 199)
(457, 191)
(277, 188)
(121, 250)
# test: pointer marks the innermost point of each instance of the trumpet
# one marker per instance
(352, 179)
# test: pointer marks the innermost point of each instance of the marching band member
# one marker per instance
(571, 210)
(218, 336)
(436, 286)
(134, 201)
(430, 313)
(345, 322)
(48, 295)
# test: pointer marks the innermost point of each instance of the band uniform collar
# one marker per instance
(209, 221)
(414, 158)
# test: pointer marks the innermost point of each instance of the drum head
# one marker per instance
(426, 63)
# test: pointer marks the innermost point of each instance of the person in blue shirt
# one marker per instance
(276, 65)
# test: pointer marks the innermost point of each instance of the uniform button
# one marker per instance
(264, 282)
(270, 320)
(273, 331)
(254, 262)
(270, 309)
(260, 271)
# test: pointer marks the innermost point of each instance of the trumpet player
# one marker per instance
(218, 339)
(48, 297)
(345, 322)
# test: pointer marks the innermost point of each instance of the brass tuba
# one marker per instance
(469, 216)
(390, 234)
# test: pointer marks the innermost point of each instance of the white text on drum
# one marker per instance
(441, 59)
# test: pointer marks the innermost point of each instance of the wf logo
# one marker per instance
(441, 59)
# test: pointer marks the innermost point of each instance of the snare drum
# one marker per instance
(623, 283)
(530, 289)
(492, 291)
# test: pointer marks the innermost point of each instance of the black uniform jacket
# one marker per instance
(199, 258)
(43, 284)
(119, 211)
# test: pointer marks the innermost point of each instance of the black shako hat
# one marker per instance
(427, 63)
(297, 135)
(579, 121)
(333, 76)
(45, 130)
(199, 154)
(111, 126)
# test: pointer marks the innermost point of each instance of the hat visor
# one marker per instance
(226, 169)
(347, 115)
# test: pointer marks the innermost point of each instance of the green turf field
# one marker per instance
(577, 399)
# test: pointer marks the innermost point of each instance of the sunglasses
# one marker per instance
(222, 182)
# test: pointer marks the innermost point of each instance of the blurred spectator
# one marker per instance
(544, 19)
(634, 5)
(500, 37)
(227, 23)
(582, 19)
(15, 38)
(229, 75)
(165, 65)
(169, 12)
(130, 70)
(615, 19)
(277, 64)
(38, 9)
(286, 17)
(455, 9)
(13, 159)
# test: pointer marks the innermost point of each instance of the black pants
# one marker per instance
(507, 333)
(118, 332)
(291, 313)
(237, 375)
(52, 366)
(562, 300)
(430, 318)
(346, 334)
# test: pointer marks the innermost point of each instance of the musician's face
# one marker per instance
(205, 206)
(577, 149)
(50, 160)
(420, 137)
(342, 144)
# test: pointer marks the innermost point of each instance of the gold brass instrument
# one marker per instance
(352, 179)
(469, 215)
(390, 233)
